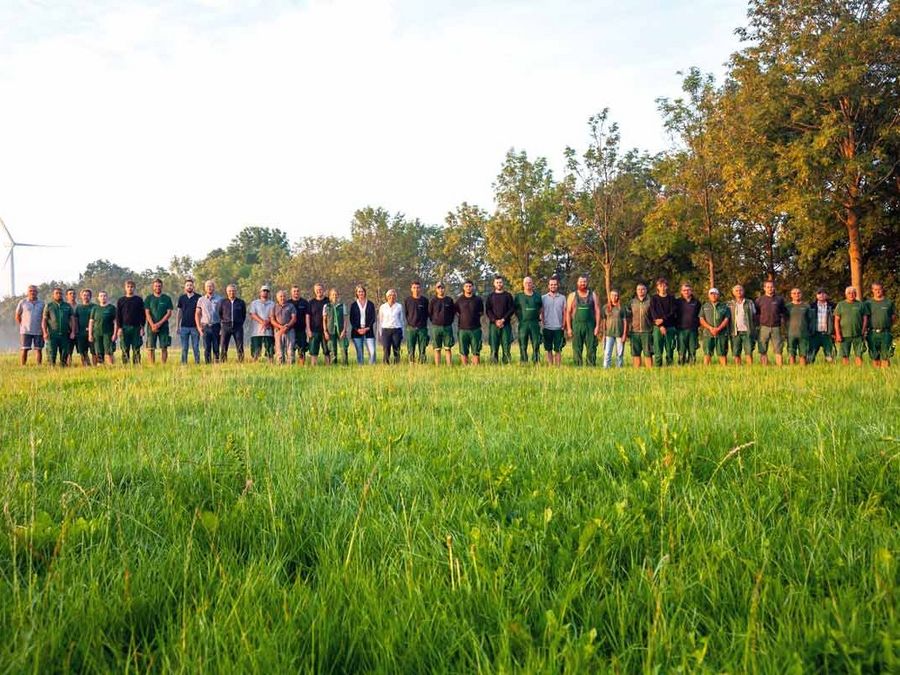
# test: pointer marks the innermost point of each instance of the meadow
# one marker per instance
(413, 519)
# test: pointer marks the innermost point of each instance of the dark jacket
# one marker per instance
(499, 306)
(233, 312)
(365, 321)
(665, 308)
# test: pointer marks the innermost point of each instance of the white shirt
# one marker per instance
(822, 317)
(264, 310)
(740, 318)
(390, 316)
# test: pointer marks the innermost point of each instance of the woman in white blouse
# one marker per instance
(390, 326)
(362, 325)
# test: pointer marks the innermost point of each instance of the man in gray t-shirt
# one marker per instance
(208, 321)
(262, 334)
(28, 315)
(284, 318)
(553, 308)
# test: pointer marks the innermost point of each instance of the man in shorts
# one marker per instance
(688, 326)
(529, 306)
(583, 322)
(102, 329)
(771, 313)
(315, 323)
(441, 312)
(415, 309)
(882, 315)
(158, 307)
(640, 327)
(58, 327)
(130, 318)
(851, 321)
(742, 311)
(262, 335)
(714, 318)
(83, 318)
(553, 322)
(29, 315)
(822, 328)
(469, 309)
(799, 325)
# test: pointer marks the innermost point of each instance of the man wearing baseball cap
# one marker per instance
(714, 318)
(262, 333)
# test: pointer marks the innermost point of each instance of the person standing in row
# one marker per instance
(499, 308)
(688, 326)
(188, 333)
(336, 327)
(823, 327)
(102, 328)
(553, 318)
(29, 317)
(615, 321)
(469, 309)
(362, 325)
(799, 325)
(714, 318)
(529, 307)
(743, 325)
(641, 327)
(262, 334)
(83, 344)
(72, 301)
(209, 322)
(851, 320)
(771, 310)
(390, 326)
(664, 314)
(882, 315)
(284, 318)
(58, 327)
(315, 323)
(233, 312)
(158, 308)
(415, 307)
(442, 311)
(583, 322)
(301, 342)
(130, 317)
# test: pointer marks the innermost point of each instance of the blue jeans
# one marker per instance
(610, 343)
(189, 336)
(358, 345)
(212, 337)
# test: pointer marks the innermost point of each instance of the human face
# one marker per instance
(641, 291)
(439, 290)
(498, 285)
(582, 284)
(850, 294)
(103, 298)
(361, 293)
(279, 297)
(157, 287)
(319, 290)
(713, 298)
(662, 288)
(70, 297)
(467, 290)
(553, 286)
(877, 291)
(822, 297)
(614, 297)
(230, 292)
(209, 287)
(264, 294)
(295, 292)
(85, 297)
(416, 290)
(686, 291)
(129, 290)
(32, 293)
(738, 292)
(769, 288)
(57, 295)
(796, 296)
(334, 296)
(189, 287)
(391, 297)
(528, 285)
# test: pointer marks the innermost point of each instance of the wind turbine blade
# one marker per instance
(41, 245)
(6, 230)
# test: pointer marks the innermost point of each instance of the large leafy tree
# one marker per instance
(463, 254)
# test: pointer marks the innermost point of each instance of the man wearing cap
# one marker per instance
(742, 311)
(528, 307)
(583, 322)
(158, 308)
(58, 326)
(640, 326)
(882, 315)
(130, 317)
(771, 313)
(188, 334)
(714, 318)
(822, 336)
(301, 344)
(84, 345)
(284, 318)
(799, 326)
(688, 310)
(664, 314)
(29, 317)
(441, 311)
(415, 308)
(553, 322)
(851, 321)
(315, 323)
(209, 322)
(233, 311)
(499, 308)
(469, 309)
(262, 334)
(102, 328)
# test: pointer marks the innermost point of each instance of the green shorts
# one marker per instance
(640, 345)
(315, 343)
(881, 345)
(470, 340)
(715, 345)
(554, 339)
(161, 338)
(83, 345)
(742, 345)
(104, 346)
(442, 336)
(857, 344)
(260, 342)
(798, 346)
(771, 334)
(131, 338)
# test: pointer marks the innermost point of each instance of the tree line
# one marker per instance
(786, 169)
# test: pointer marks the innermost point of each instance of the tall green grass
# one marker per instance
(252, 518)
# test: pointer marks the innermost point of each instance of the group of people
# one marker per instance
(291, 329)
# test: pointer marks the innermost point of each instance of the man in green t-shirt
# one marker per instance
(851, 320)
(640, 327)
(102, 328)
(83, 317)
(158, 308)
(799, 327)
(714, 319)
(59, 327)
(528, 312)
(882, 315)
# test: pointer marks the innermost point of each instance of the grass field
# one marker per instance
(250, 518)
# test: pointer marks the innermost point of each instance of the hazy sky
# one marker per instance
(135, 130)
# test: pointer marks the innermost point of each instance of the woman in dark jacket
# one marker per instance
(362, 325)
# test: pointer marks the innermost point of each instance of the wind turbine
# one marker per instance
(11, 244)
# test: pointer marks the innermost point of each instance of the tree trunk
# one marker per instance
(770, 253)
(607, 276)
(855, 250)
(712, 269)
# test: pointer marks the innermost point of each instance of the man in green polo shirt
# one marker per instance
(882, 315)
(799, 327)
(59, 327)
(83, 317)
(158, 308)
(528, 312)
(851, 320)
(102, 328)
(714, 319)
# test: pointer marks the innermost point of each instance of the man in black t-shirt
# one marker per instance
(442, 312)
(688, 325)
(469, 309)
(315, 323)
(500, 308)
(301, 344)
(664, 315)
(188, 333)
(130, 316)
(415, 309)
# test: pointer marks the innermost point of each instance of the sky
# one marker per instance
(135, 131)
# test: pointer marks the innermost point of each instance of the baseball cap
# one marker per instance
(714, 290)
(264, 287)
